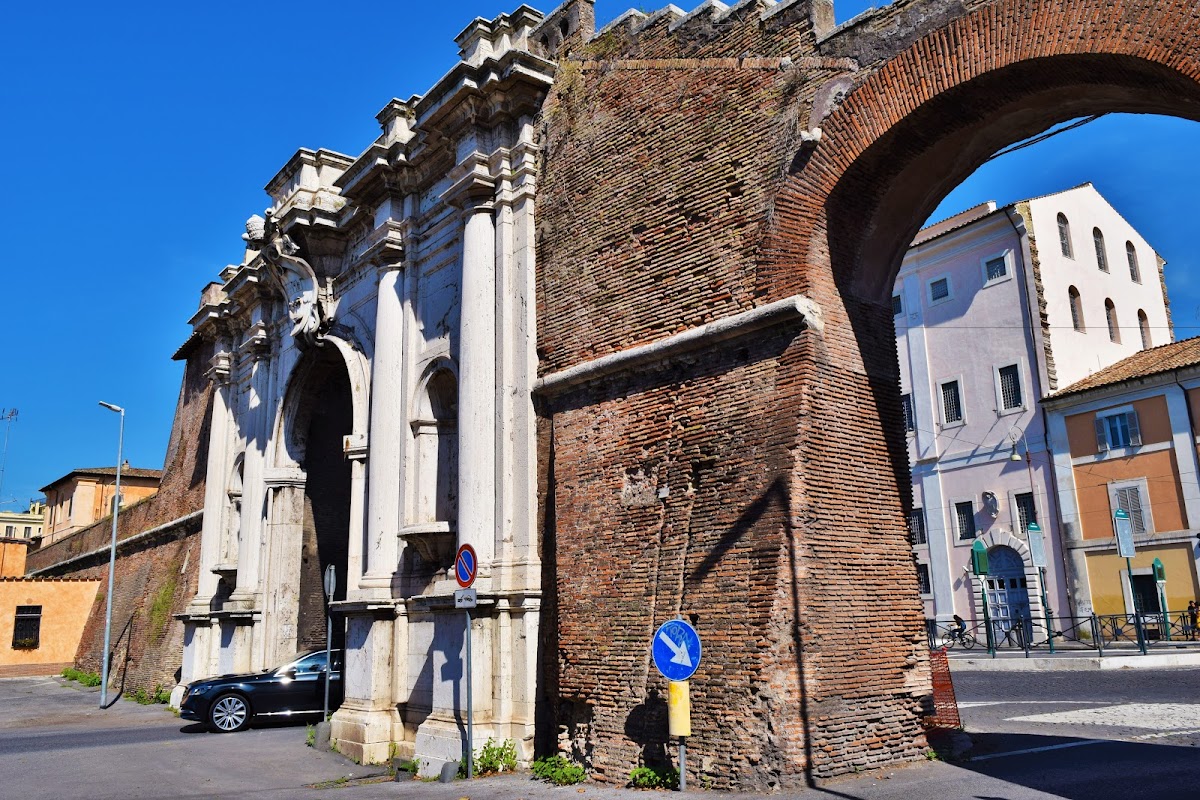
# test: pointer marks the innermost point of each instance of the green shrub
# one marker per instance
(310, 736)
(558, 770)
(86, 678)
(496, 757)
(651, 778)
(159, 695)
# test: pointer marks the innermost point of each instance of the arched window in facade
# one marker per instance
(1144, 327)
(1064, 235)
(1131, 254)
(1076, 309)
(1101, 256)
(1110, 314)
(436, 433)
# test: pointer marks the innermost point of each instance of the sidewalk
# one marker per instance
(1182, 654)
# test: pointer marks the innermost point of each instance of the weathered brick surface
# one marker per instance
(675, 190)
(155, 575)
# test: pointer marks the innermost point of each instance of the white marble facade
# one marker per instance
(405, 278)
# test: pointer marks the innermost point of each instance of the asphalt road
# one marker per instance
(1082, 736)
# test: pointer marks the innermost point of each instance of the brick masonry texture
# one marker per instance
(156, 575)
(760, 488)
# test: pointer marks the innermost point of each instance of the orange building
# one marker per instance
(1126, 438)
(41, 619)
(83, 496)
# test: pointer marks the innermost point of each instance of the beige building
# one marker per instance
(1126, 438)
(83, 496)
(41, 619)
(23, 524)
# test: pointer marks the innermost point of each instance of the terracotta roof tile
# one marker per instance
(1164, 358)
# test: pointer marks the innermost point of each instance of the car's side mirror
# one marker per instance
(290, 672)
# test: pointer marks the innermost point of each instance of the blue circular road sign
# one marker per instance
(676, 650)
(465, 566)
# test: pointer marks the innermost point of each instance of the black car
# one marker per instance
(295, 689)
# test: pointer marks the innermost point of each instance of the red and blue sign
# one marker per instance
(465, 565)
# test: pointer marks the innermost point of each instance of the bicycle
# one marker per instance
(954, 636)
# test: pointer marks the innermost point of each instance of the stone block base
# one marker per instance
(363, 734)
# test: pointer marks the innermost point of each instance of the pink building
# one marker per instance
(974, 362)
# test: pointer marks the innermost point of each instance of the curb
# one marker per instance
(1074, 663)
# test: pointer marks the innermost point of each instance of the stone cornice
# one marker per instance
(794, 309)
(383, 246)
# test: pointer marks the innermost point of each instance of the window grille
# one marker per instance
(897, 305)
(1076, 309)
(964, 515)
(923, 584)
(910, 418)
(996, 269)
(1110, 314)
(939, 289)
(1101, 256)
(1135, 274)
(1026, 510)
(1144, 329)
(916, 527)
(1010, 387)
(1064, 235)
(951, 403)
(27, 628)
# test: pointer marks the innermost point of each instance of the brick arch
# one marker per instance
(928, 117)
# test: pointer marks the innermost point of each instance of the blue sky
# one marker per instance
(138, 137)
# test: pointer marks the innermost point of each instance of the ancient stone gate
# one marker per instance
(724, 199)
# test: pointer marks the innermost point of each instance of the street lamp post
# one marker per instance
(112, 557)
(1041, 568)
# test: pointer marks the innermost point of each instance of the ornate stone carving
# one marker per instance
(307, 306)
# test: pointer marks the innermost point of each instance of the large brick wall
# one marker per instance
(158, 550)
(761, 488)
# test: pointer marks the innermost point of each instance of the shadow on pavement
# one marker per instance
(1086, 769)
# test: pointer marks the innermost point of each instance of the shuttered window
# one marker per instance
(1130, 499)
(1118, 430)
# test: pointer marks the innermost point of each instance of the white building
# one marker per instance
(994, 310)
(379, 332)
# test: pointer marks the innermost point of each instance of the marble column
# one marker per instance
(477, 384)
(248, 593)
(217, 469)
(387, 420)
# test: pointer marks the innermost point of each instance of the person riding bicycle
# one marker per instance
(962, 626)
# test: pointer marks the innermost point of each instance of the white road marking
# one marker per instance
(1040, 749)
(981, 703)
(1149, 716)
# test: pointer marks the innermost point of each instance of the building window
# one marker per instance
(910, 419)
(1010, 387)
(27, 628)
(916, 527)
(1144, 328)
(923, 585)
(1129, 497)
(897, 305)
(964, 518)
(1118, 430)
(1110, 314)
(995, 269)
(1131, 255)
(1101, 256)
(1064, 235)
(28, 531)
(1026, 510)
(10, 531)
(952, 411)
(1076, 309)
(939, 290)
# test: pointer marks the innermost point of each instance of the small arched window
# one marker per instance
(1076, 309)
(1064, 235)
(1110, 314)
(1131, 254)
(1101, 257)
(1144, 327)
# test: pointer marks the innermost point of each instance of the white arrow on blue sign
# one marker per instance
(676, 650)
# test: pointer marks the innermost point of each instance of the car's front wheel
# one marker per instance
(229, 713)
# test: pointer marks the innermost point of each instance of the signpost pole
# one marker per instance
(330, 586)
(676, 652)
(1046, 608)
(1125, 549)
(470, 720)
(1137, 615)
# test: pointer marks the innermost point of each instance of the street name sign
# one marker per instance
(1124, 527)
(676, 650)
(465, 566)
(1037, 545)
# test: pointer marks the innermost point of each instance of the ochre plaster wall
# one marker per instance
(1105, 571)
(1162, 481)
(1153, 421)
(65, 606)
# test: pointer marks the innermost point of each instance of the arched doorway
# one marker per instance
(1007, 594)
